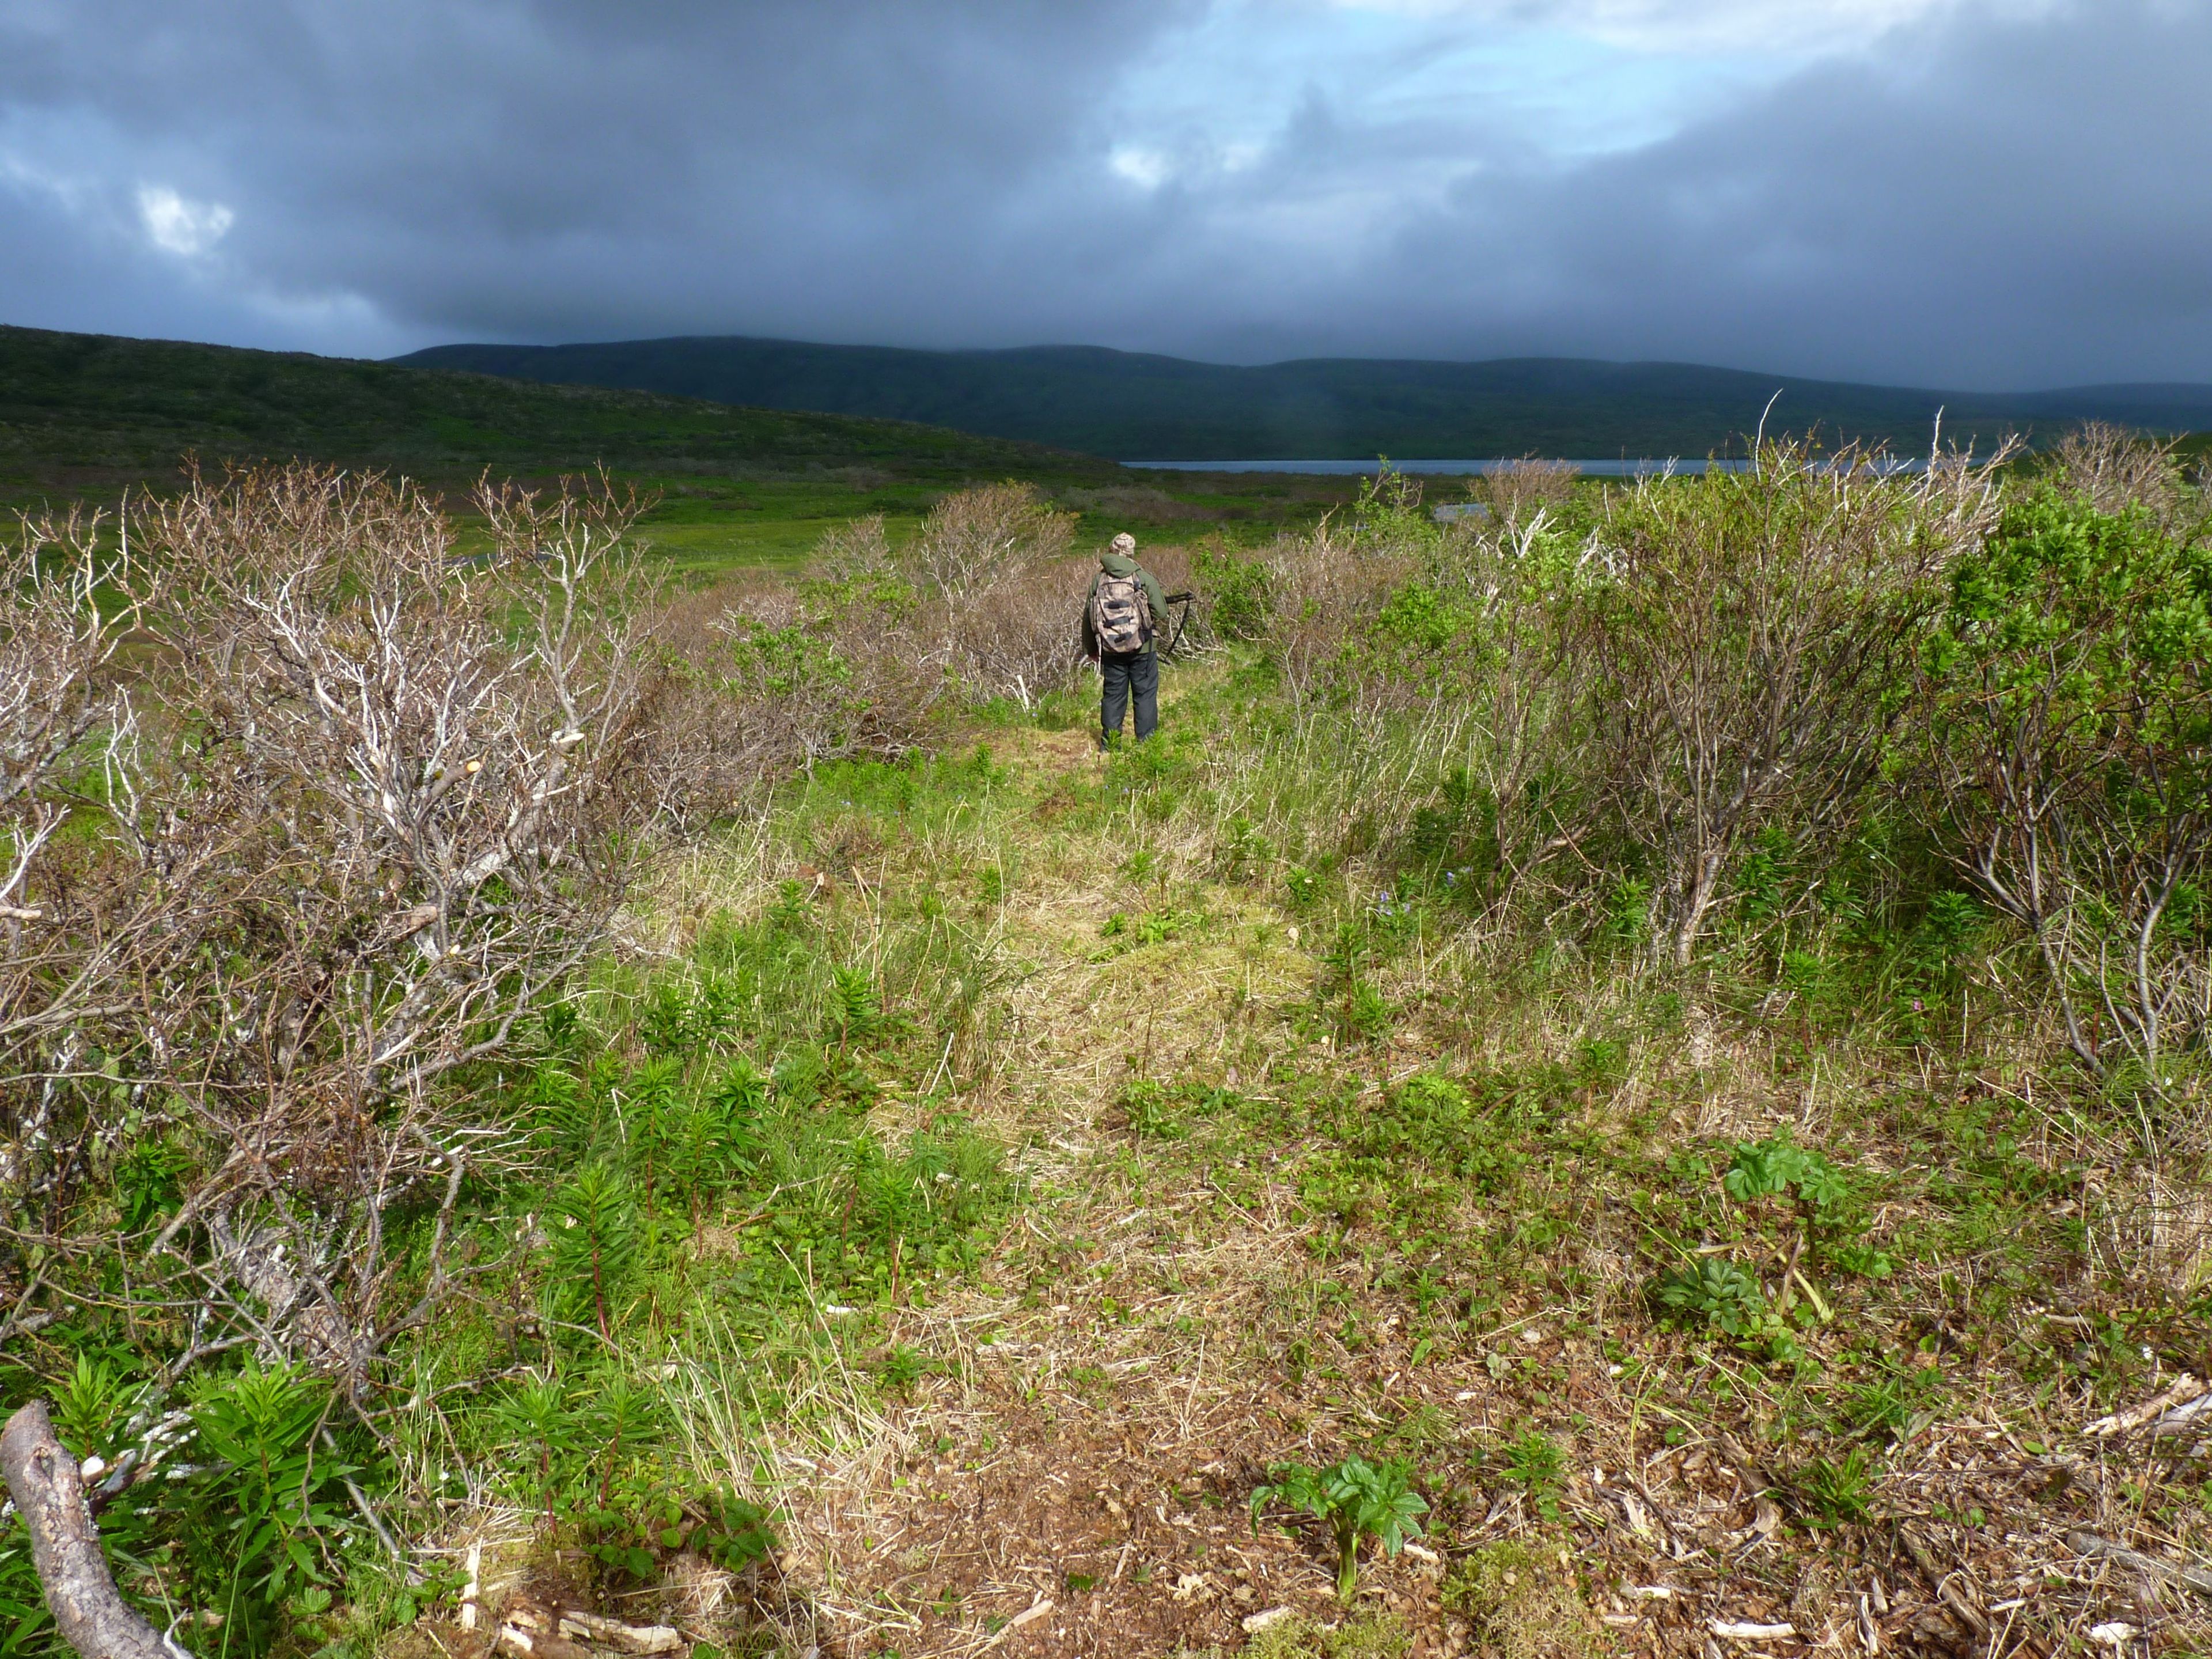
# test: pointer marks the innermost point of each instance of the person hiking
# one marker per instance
(1126, 608)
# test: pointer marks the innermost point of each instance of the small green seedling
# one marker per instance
(1356, 1498)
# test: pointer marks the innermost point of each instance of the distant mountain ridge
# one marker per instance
(1133, 406)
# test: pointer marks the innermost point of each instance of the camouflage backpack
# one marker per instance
(1121, 615)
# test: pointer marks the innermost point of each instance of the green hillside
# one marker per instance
(97, 402)
(84, 415)
(1139, 407)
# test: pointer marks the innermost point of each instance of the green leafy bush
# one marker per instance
(1238, 591)
(2068, 740)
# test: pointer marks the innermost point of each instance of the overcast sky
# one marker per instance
(1969, 193)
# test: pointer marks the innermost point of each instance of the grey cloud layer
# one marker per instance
(1976, 201)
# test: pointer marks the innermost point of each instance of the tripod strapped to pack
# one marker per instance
(1178, 619)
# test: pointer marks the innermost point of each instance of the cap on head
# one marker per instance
(1125, 543)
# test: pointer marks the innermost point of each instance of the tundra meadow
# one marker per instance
(1626, 1074)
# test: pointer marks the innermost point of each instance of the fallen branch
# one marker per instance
(612, 1632)
(89, 1611)
(2181, 1417)
(2087, 1543)
(2185, 1388)
(1729, 1631)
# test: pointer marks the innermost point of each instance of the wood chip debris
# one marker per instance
(1028, 1615)
(1255, 1623)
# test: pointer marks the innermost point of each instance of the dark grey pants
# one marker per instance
(1122, 673)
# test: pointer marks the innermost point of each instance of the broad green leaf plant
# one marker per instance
(1357, 1499)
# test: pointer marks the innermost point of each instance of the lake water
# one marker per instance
(1592, 469)
(1614, 469)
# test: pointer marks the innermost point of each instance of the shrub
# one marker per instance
(975, 537)
(1237, 590)
(371, 814)
(2069, 743)
(1754, 634)
(1516, 492)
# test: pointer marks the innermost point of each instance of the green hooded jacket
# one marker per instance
(1116, 565)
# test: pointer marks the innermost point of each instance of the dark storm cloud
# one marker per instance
(534, 169)
(1974, 200)
(1979, 205)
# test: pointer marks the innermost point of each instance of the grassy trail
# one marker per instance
(1280, 1196)
(1240, 1245)
(1107, 1401)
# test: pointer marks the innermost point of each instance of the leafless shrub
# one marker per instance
(1171, 562)
(58, 645)
(1326, 588)
(858, 551)
(376, 825)
(1515, 491)
(2115, 468)
(688, 765)
(1745, 633)
(855, 659)
(1017, 635)
(973, 536)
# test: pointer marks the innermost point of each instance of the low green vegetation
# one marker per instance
(1634, 1066)
(1356, 1500)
